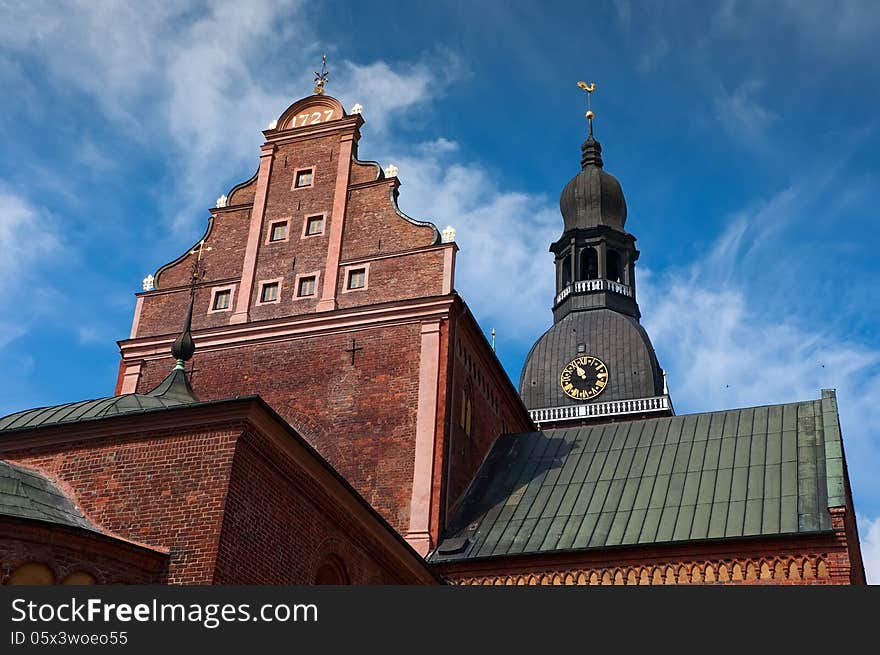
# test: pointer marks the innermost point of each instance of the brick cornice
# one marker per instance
(440, 247)
(647, 554)
(346, 125)
(308, 325)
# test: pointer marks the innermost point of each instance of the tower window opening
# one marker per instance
(613, 264)
(589, 264)
(566, 270)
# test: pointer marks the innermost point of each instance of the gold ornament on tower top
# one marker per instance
(322, 77)
(589, 88)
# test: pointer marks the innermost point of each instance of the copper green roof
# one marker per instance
(29, 495)
(173, 391)
(771, 470)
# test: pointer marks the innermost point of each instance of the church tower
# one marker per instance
(596, 362)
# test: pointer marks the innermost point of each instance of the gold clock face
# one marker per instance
(584, 377)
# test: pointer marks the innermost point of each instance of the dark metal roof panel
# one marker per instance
(754, 471)
(29, 495)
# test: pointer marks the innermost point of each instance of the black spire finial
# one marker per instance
(184, 347)
(591, 152)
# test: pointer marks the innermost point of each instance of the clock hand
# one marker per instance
(581, 372)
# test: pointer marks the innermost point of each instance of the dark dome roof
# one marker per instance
(617, 339)
(592, 197)
(29, 495)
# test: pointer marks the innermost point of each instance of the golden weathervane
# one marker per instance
(589, 88)
(322, 77)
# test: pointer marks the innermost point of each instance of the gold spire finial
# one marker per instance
(589, 88)
(322, 77)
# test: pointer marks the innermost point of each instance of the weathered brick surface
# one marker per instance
(244, 195)
(227, 239)
(373, 226)
(363, 172)
(229, 503)
(495, 406)
(297, 255)
(164, 489)
(280, 527)
(360, 417)
(412, 275)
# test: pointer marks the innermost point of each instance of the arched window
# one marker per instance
(589, 264)
(613, 264)
(466, 416)
(332, 572)
(80, 578)
(32, 573)
(566, 270)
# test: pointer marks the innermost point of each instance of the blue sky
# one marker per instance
(745, 136)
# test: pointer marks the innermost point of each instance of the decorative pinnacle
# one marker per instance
(589, 88)
(322, 77)
(184, 347)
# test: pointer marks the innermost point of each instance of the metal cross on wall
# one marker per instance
(353, 350)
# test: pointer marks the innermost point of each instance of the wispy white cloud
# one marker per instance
(869, 531)
(504, 269)
(202, 79)
(743, 114)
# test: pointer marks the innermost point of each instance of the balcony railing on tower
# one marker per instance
(596, 410)
(592, 286)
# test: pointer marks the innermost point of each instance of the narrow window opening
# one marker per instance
(306, 286)
(314, 225)
(613, 265)
(303, 178)
(279, 231)
(269, 292)
(357, 278)
(221, 299)
(566, 270)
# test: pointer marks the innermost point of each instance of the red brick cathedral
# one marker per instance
(304, 398)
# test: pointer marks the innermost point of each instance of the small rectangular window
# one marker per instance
(279, 231)
(306, 286)
(303, 178)
(269, 292)
(314, 225)
(221, 300)
(357, 278)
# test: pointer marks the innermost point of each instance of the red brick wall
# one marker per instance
(371, 218)
(280, 526)
(495, 406)
(163, 489)
(411, 275)
(244, 195)
(360, 418)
